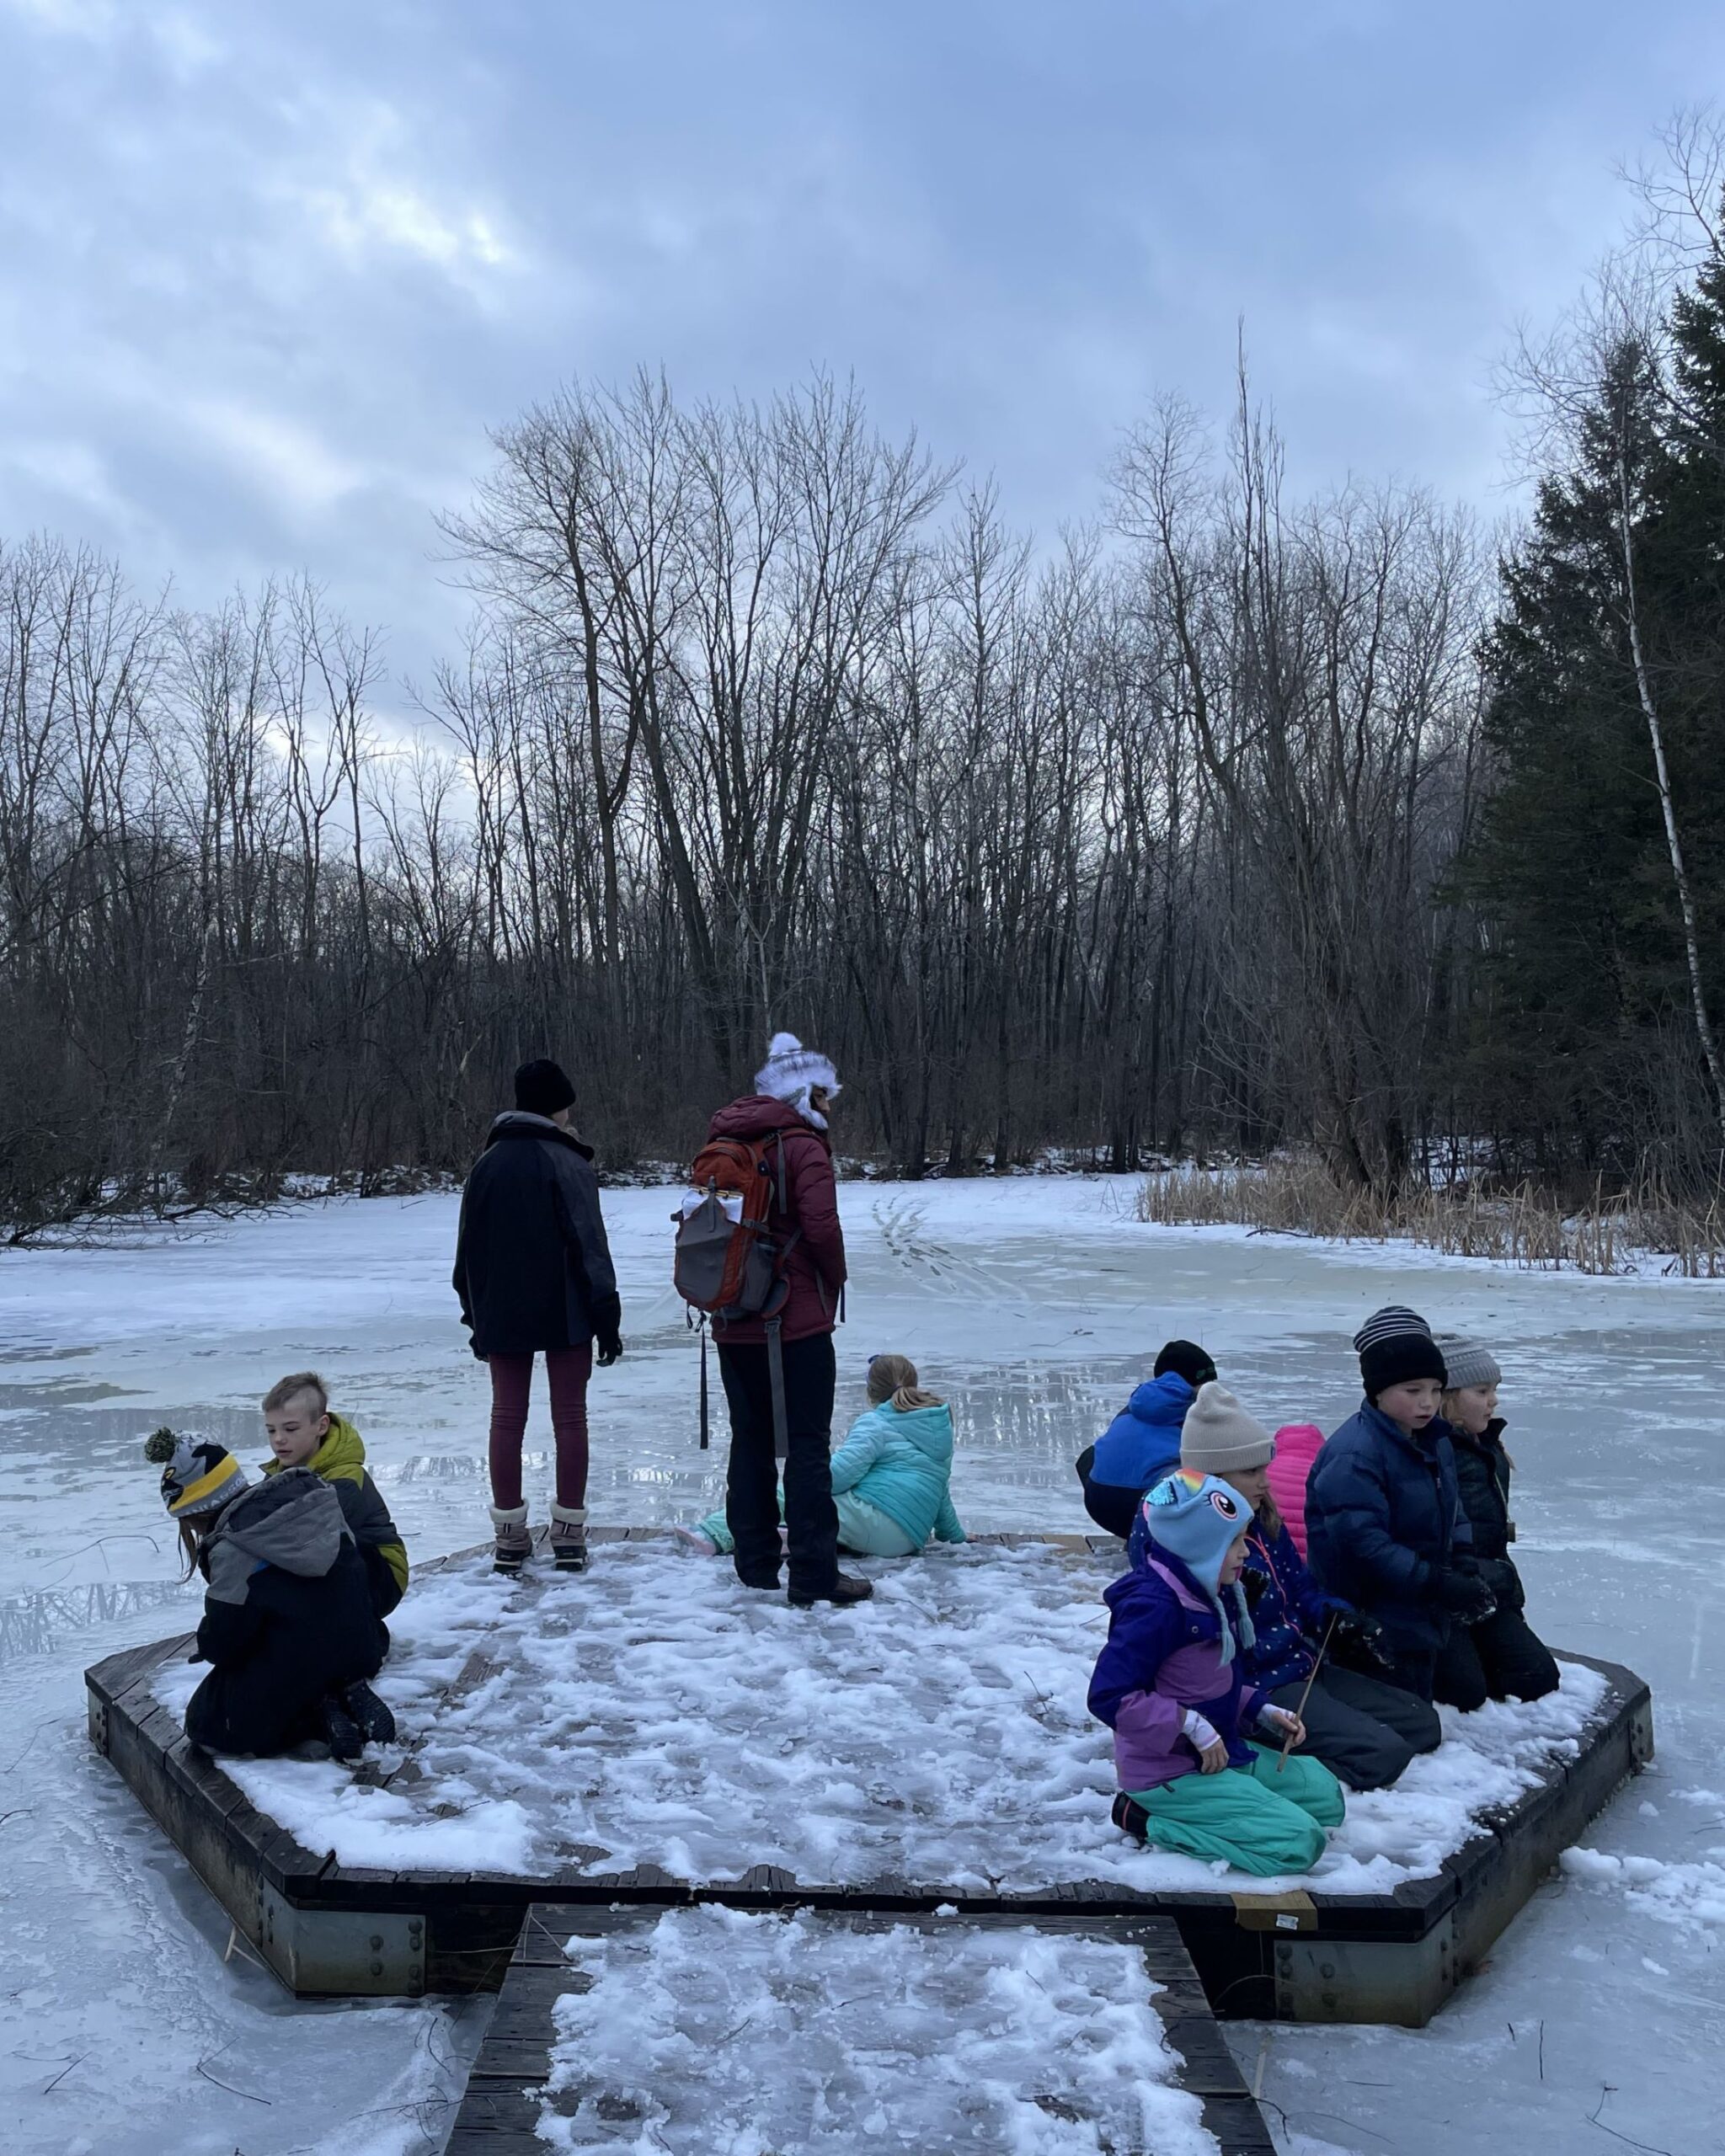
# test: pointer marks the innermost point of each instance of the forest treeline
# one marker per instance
(1233, 821)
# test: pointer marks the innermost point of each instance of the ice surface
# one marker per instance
(1032, 1305)
(652, 1710)
(731, 2035)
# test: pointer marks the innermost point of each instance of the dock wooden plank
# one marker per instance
(501, 2104)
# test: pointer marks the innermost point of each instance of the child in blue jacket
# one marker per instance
(890, 1478)
(1169, 1683)
(1142, 1443)
(1384, 1523)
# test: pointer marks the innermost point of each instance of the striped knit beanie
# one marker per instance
(198, 1475)
(1395, 1346)
(792, 1071)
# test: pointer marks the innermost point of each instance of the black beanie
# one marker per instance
(1188, 1360)
(1395, 1346)
(541, 1088)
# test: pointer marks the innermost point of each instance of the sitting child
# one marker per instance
(1168, 1684)
(288, 1625)
(890, 1478)
(302, 1433)
(1298, 1445)
(1384, 1526)
(1500, 1658)
(1142, 1443)
(1364, 1730)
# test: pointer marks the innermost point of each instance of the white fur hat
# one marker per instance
(791, 1069)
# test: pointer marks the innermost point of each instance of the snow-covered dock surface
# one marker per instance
(654, 1711)
(1033, 1305)
(731, 2035)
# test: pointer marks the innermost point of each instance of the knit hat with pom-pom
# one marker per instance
(791, 1071)
(198, 1475)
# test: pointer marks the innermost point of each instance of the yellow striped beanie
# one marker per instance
(198, 1475)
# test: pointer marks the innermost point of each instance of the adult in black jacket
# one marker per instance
(533, 1271)
(288, 1627)
(1502, 1658)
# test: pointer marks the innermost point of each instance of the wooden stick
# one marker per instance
(1300, 1712)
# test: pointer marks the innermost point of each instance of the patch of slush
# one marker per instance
(654, 1711)
(734, 2035)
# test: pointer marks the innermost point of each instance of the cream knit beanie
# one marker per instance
(1217, 1435)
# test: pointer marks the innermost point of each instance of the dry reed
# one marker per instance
(1522, 1226)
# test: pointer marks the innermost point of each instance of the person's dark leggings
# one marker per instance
(227, 1714)
(567, 1369)
(1364, 1730)
(1503, 1658)
(1113, 1506)
(751, 1481)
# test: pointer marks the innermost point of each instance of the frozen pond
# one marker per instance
(1032, 1305)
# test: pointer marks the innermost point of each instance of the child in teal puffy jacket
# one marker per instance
(890, 1477)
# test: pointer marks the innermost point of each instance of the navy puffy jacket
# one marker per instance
(1142, 1443)
(1381, 1520)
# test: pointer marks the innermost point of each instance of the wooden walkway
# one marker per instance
(500, 2112)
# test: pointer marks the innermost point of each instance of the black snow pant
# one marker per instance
(1413, 1669)
(1503, 1658)
(1111, 1505)
(751, 1479)
(1364, 1730)
(228, 1714)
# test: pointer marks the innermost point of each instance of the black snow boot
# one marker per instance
(376, 1723)
(341, 1732)
(845, 1589)
(1131, 1818)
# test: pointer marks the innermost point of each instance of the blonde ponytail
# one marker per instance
(892, 1378)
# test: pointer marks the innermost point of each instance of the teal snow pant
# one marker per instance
(863, 1530)
(1252, 1818)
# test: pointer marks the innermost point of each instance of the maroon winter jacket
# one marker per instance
(816, 1265)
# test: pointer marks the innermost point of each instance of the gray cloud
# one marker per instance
(269, 273)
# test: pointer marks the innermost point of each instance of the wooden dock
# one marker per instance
(500, 2112)
(328, 1928)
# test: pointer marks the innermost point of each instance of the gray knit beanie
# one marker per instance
(1219, 1436)
(1468, 1362)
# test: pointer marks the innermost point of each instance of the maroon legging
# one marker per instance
(568, 1369)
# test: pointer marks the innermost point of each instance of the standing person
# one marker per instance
(533, 1271)
(1502, 1658)
(1383, 1518)
(1142, 1443)
(1364, 1729)
(794, 1092)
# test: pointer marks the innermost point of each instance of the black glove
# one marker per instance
(1466, 1597)
(607, 1330)
(1255, 1585)
(1503, 1582)
(1361, 1638)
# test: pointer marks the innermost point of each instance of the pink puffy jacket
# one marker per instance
(1297, 1447)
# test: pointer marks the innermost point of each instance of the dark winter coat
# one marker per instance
(1142, 1443)
(287, 1616)
(1163, 1655)
(1482, 1475)
(816, 1268)
(532, 1266)
(1289, 1614)
(1382, 1518)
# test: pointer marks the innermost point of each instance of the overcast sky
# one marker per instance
(268, 272)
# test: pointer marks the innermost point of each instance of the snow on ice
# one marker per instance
(655, 1710)
(715, 2032)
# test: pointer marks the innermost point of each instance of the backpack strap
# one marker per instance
(776, 1373)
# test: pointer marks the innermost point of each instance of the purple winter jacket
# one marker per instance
(1163, 1654)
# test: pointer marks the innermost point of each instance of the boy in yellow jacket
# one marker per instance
(303, 1433)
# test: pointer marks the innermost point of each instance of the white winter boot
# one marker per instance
(569, 1537)
(514, 1543)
